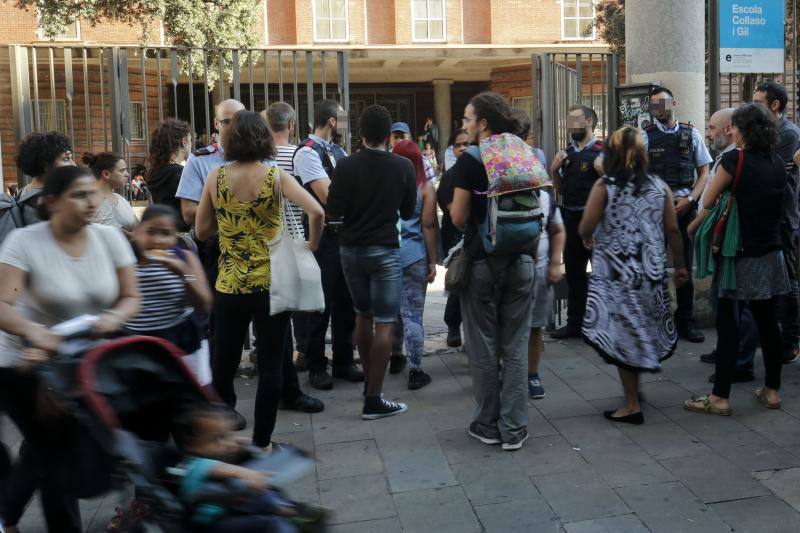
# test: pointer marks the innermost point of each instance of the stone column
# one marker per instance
(442, 113)
(666, 41)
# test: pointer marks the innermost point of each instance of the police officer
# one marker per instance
(677, 152)
(574, 172)
(314, 163)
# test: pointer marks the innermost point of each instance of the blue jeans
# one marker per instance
(373, 276)
(412, 306)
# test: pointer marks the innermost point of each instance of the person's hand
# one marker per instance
(312, 247)
(680, 277)
(682, 206)
(33, 357)
(431, 272)
(559, 158)
(255, 480)
(692, 228)
(41, 338)
(554, 273)
(171, 261)
(588, 244)
(107, 323)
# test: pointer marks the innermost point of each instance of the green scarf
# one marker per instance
(731, 243)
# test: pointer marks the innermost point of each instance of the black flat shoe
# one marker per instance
(635, 419)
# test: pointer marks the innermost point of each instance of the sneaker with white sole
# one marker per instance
(517, 442)
(483, 436)
(535, 389)
(378, 407)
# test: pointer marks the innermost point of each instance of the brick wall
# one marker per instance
(381, 22)
(525, 21)
(281, 21)
(477, 22)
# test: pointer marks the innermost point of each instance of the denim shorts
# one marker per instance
(375, 278)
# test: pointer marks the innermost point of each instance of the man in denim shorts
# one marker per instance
(368, 190)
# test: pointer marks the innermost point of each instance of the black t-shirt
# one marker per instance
(470, 174)
(368, 189)
(163, 184)
(759, 197)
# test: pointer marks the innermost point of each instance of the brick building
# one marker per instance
(419, 58)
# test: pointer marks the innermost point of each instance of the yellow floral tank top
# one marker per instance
(245, 228)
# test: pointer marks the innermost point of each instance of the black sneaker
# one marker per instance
(454, 337)
(417, 379)
(303, 403)
(239, 421)
(483, 436)
(300, 363)
(710, 358)
(377, 407)
(535, 389)
(320, 379)
(739, 376)
(689, 333)
(397, 362)
(517, 442)
(349, 373)
(567, 332)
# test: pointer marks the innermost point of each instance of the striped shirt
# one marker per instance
(285, 160)
(164, 302)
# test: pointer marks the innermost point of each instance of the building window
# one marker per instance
(51, 115)
(330, 20)
(72, 32)
(577, 19)
(427, 20)
(137, 121)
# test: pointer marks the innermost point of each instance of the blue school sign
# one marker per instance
(751, 36)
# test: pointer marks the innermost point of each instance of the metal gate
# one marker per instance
(110, 98)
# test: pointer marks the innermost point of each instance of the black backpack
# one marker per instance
(18, 211)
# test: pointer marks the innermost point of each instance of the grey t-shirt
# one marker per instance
(115, 212)
(788, 143)
(59, 286)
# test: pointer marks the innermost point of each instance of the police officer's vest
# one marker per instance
(578, 175)
(672, 155)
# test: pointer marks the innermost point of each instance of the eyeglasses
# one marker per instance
(225, 121)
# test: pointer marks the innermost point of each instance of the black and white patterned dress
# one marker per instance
(628, 319)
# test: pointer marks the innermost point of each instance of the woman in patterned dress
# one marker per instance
(241, 201)
(628, 219)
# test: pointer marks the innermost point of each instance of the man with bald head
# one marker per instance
(719, 137)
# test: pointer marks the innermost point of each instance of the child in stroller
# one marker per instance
(210, 469)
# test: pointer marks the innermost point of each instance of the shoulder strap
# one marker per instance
(475, 152)
(738, 175)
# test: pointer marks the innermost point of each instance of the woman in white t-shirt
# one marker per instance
(51, 272)
(112, 174)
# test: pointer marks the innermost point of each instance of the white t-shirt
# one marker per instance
(59, 286)
(285, 162)
(116, 213)
(552, 215)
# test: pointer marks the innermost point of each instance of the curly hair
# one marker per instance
(37, 152)
(497, 112)
(757, 127)
(166, 138)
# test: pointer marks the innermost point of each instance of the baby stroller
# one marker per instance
(118, 399)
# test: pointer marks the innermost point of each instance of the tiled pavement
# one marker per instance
(420, 472)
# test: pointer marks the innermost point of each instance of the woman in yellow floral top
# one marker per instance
(241, 201)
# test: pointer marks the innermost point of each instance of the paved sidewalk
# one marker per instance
(420, 472)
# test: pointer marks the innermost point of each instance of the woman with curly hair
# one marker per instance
(760, 271)
(170, 145)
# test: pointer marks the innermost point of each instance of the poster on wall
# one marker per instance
(751, 36)
(633, 105)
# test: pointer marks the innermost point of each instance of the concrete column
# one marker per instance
(442, 113)
(665, 41)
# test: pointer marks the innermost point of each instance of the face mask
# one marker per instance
(578, 136)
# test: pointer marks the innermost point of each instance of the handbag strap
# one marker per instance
(738, 175)
(286, 213)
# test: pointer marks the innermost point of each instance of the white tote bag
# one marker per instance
(295, 278)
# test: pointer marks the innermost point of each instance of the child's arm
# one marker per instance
(253, 478)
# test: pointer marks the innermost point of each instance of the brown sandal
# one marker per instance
(705, 406)
(762, 398)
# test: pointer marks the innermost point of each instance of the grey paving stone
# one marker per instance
(591, 432)
(664, 394)
(713, 478)
(530, 515)
(549, 455)
(664, 441)
(358, 498)
(436, 510)
(347, 459)
(613, 524)
(595, 386)
(459, 447)
(343, 428)
(411, 454)
(781, 428)
(784, 483)
(766, 514)
(703, 426)
(387, 525)
(538, 426)
(576, 496)
(671, 508)
(561, 401)
(495, 480)
(752, 452)
(626, 465)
